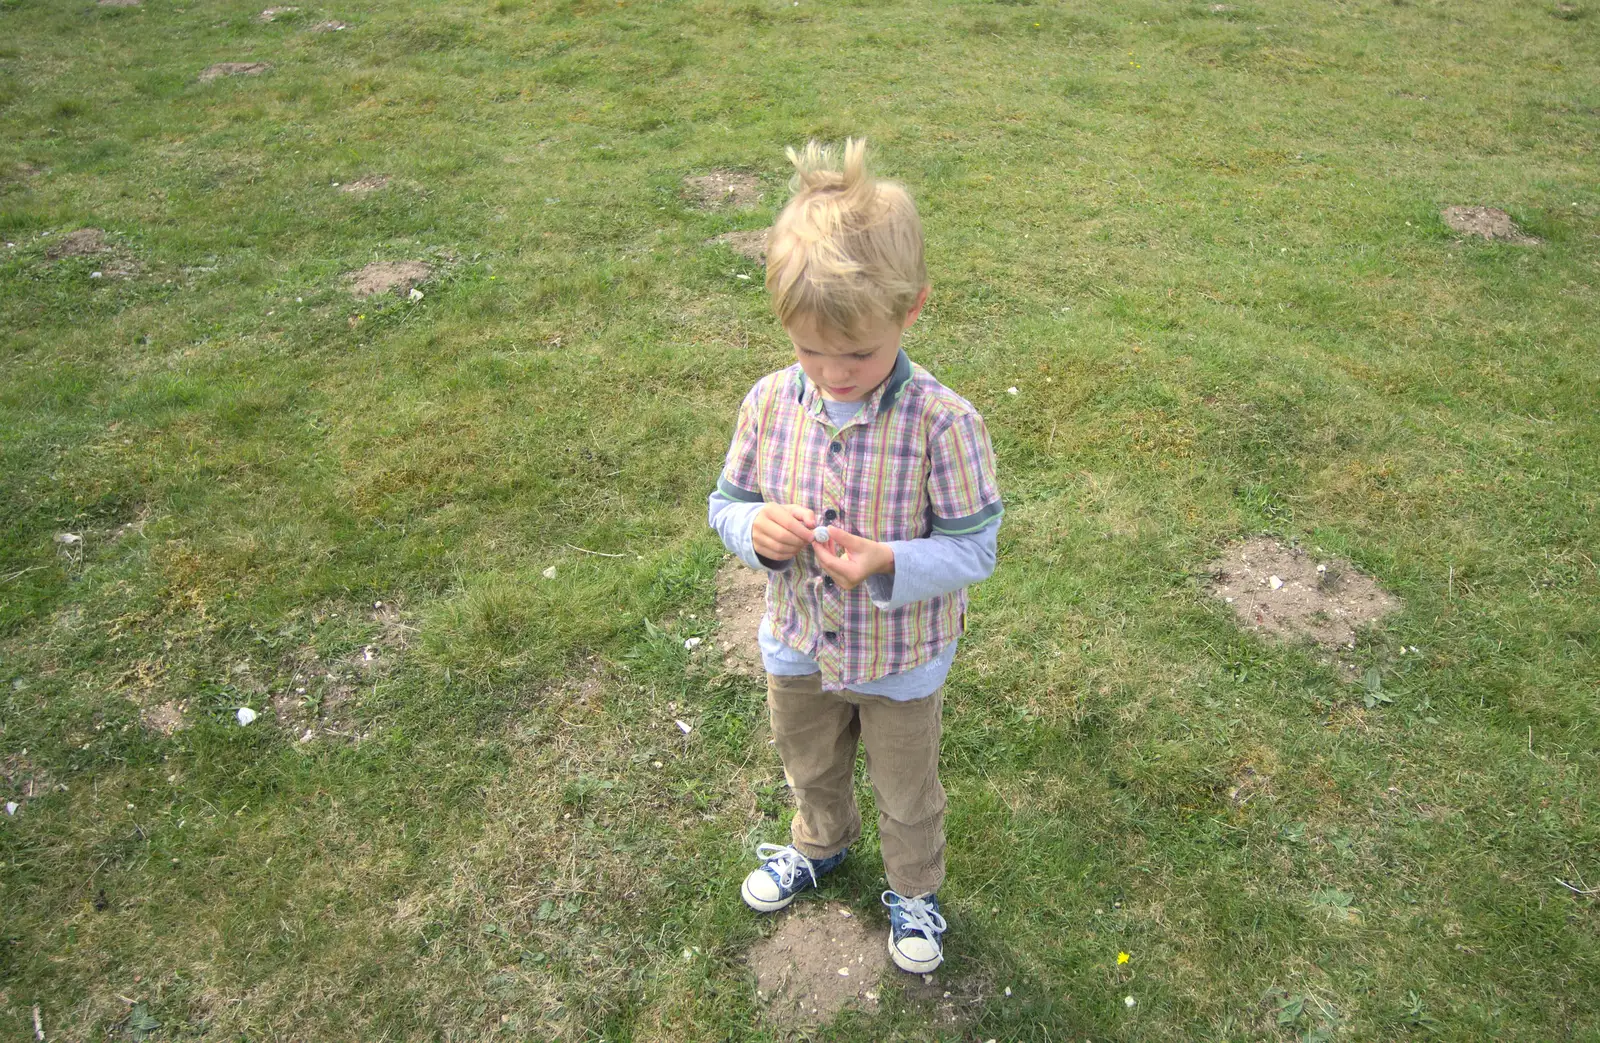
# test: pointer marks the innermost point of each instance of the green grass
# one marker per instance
(1204, 244)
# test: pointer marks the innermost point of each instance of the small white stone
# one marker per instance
(11, 807)
(1128, 1001)
(1275, 583)
(692, 643)
(1012, 391)
(549, 573)
(245, 715)
(844, 972)
(683, 726)
(94, 275)
(415, 294)
(743, 276)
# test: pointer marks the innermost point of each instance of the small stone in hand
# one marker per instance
(821, 535)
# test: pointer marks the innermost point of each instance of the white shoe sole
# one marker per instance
(761, 905)
(911, 966)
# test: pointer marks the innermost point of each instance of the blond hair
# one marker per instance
(847, 247)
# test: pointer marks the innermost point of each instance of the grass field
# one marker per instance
(1203, 241)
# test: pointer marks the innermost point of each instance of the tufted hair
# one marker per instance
(848, 246)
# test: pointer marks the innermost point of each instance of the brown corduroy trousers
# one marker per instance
(816, 733)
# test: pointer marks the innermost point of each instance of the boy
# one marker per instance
(866, 491)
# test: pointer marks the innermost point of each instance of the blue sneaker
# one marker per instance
(914, 929)
(784, 873)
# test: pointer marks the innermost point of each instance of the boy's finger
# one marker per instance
(847, 540)
(804, 515)
(795, 523)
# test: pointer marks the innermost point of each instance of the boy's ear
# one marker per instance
(916, 309)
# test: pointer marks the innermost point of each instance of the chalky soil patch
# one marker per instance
(1290, 595)
(221, 69)
(821, 959)
(271, 14)
(741, 602)
(362, 185)
(721, 189)
(387, 276)
(93, 243)
(1486, 222)
(165, 718)
(750, 244)
(81, 243)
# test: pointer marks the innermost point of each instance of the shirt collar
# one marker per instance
(881, 400)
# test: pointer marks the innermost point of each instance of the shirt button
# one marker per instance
(837, 447)
(829, 516)
(831, 635)
(827, 581)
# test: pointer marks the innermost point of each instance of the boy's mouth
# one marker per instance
(841, 391)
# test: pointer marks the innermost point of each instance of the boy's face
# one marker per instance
(847, 367)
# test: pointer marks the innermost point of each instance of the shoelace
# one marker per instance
(915, 913)
(786, 862)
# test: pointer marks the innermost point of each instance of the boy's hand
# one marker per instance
(850, 559)
(781, 531)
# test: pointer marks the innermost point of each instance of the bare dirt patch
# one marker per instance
(750, 244)
(330, 27)
(221, 69)
(386, 277)
(741, 602)
(314, 698)
(1486, 222)
(271, 14)
(92, 242)
(720, 189)
(1248, 784)
(362, 185)
(82, 243)
(24, 780)
(166, 718)
(819, 960)
(119, 3)
(1290, 595)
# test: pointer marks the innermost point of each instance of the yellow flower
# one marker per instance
(1122, 958)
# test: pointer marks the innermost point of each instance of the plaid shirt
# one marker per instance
(914, 461)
